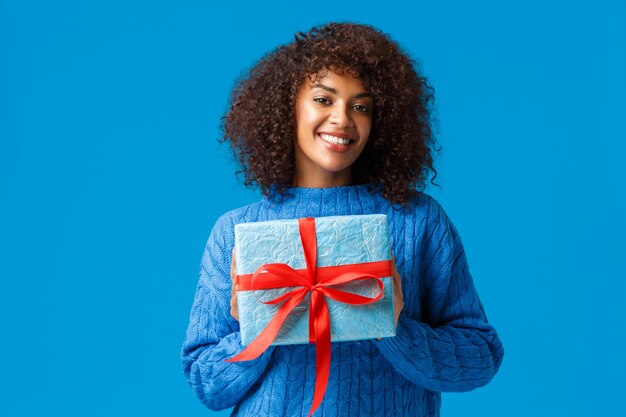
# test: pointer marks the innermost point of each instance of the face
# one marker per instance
(333, 123)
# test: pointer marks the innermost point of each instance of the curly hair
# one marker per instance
(260, 122)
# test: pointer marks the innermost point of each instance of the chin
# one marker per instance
(337, 170)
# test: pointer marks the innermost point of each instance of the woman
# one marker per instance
(338, 123)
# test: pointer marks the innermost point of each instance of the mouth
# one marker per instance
(336, 143)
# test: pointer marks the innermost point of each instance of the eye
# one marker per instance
(361, 108)
(322, 100)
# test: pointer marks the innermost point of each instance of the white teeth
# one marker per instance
(334, 139)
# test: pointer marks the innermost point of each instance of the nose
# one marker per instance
(341, 116)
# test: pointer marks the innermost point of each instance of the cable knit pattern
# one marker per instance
(443, 343)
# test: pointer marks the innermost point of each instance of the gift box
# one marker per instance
(313, 280)
(343, 243)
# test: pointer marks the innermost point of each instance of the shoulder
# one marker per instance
(225, 224)
(425, 222)
(434, 212)
(423, 208)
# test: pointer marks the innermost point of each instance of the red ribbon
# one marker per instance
(317, 281)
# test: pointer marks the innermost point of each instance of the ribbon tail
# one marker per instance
(322, 348)
(267, 336)
(351, 298)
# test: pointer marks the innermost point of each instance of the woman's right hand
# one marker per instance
(233, 294)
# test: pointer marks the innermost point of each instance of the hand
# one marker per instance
(234, 311)
(398, 296)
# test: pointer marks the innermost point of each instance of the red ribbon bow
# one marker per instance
(317, 281)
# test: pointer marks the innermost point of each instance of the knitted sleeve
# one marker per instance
(213, 335)
(453, 347)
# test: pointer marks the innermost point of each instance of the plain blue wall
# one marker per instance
(111, 179)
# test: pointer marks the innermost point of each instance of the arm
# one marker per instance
(454, 348)
(213, 334)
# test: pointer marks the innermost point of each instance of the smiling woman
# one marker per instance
(338, 123)
(333, 123)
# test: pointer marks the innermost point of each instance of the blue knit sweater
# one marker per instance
(443, 341)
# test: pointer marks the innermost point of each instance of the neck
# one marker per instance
(323, 181)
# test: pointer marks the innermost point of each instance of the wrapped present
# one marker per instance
(341, 240)
(313, 280)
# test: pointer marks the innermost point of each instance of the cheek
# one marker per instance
(306, 124)
(309, 115)
(365, 127)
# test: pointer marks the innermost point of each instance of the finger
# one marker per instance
(394, 269)
(397, 287)
(233, 308)
(233, 274)
(397, 280)
(233, 304)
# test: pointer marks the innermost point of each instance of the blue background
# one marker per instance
(111, 179)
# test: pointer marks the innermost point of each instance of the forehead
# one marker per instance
(342, 81)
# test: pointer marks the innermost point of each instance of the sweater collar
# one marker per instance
(302, 196)
(343, 191)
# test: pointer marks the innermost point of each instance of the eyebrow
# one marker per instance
(333, 91)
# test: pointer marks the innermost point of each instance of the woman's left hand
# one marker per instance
(398, 296)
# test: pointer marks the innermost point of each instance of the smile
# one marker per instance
(334, 139)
